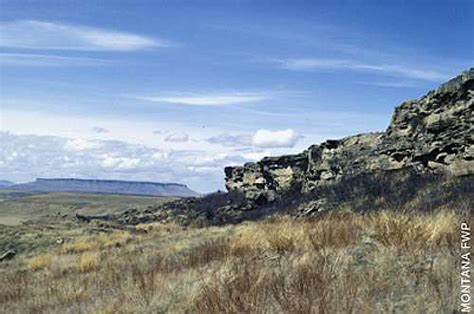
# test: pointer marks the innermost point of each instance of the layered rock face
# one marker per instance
(431, 135)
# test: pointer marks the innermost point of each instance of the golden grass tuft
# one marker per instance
(115, 239)
(80, 245)
(415, 231)
(40, 262)
(246, 237)
(95, 242)
(89, 262)
(158, 227)
(283, 238)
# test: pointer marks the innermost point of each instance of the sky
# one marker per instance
(174, 91)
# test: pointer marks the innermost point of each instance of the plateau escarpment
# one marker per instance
(105, 186)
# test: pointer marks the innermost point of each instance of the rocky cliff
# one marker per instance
(424, 161)
(433, 134)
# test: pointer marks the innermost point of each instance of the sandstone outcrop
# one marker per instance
(434, 134)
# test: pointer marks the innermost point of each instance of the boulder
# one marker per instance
(7, 255)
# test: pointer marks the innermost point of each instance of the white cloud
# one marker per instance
(82, 126)
(177, 137)
(98, 129)
(401, 84)
(209, 99)
(400, 70)
(275, 139)
(311, 64)
(120, 163)
(256, 155)
(209, 160)
(39, 60)
(160, 155)
(53, 156)
(32, 34)
(260, 139)
(231, 140)
(79, 144)
(25, 157)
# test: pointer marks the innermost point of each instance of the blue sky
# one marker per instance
(175, 90)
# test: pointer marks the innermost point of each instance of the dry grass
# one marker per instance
(158, 227)
(96, 242)
(413, 232)
(88, 262)
(39, 262)
(378, 263)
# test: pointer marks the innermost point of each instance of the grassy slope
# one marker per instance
(382, 262)
(16, 206)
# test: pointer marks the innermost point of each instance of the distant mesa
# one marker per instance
(5, 183)
(105, 186)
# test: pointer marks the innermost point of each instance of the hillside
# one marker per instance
(106, 186)
(422, 162)
(378, 263)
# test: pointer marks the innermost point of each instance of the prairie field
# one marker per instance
(383, 262)
(19, 206)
